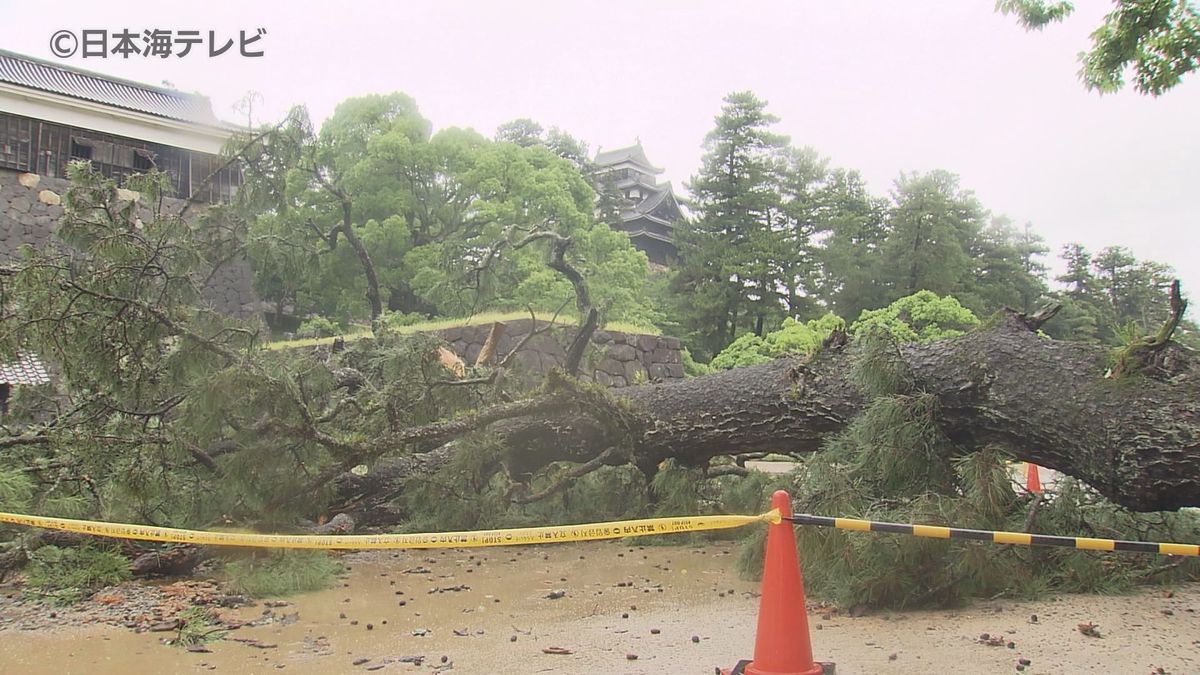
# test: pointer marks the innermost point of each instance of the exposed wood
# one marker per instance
(1149, 355)
(1037, 319)
(491, 344)
(451, 362)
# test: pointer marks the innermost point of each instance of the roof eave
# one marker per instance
(72, 111)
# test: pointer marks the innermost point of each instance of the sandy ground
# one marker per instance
(678, 610)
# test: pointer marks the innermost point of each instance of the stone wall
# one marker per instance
(31, 206)
(618, 360)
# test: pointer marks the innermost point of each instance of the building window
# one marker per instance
(143, 161)
(15, 143)
(81, 148)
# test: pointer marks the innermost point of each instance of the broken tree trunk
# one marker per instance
(1135, 439)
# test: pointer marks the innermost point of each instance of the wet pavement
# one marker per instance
(597, 608)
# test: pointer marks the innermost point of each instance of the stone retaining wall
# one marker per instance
(618, 360)
(31, 207)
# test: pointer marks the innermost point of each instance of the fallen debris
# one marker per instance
(556, 650)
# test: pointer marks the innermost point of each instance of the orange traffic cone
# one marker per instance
(1033, 482)
(782, 646)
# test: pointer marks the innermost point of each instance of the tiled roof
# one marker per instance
(34, 73)
(633, 234)
(634, 216)
(27, 369)
(633, 153)
(661, 192)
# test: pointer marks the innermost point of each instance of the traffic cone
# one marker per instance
(1033, 482)
(782, 646)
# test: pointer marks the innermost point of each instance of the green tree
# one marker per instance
(1079, 278)
(1110, 295)
(523, 132)
(315, 189)
(1007, 270)
(1157, 40)
(792, 338)
(851, 255)
(1136, 290)
(933, 226)
(920, 317)
(801, 186)
(732, 253)
(528, 133)
(439, 216)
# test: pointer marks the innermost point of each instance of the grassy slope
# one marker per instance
(356, 332)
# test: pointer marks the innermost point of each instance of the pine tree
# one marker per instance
(934, 226)
(734, 254)
(851, 256)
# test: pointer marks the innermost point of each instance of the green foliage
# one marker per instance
(67, 575)
(119, 319)
(1110, 294)
(692, 368)
(752, 494)
(920, 317)
(1007, 271)
(392, 321)
(169, 414)
(471, 492)
(198, 625)
(747, 350)
(1158, 41)
(896, 446)
(850, 259)
(744, 256)
(793, 338)
(440, 215)
(879, 369)
(933, 225)
(317, 327)
(893, 464)
(278, 573)
(675, 489)
(801, 338)
(1077, 510)
(16, 490)
(1035, 14)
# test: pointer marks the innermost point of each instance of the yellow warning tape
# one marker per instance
(470, 539)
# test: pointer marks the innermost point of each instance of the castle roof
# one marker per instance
(633, 153)
(660, 193)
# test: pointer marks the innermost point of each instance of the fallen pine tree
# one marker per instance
(1128, 425)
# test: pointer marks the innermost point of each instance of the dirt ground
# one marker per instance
(614, 608)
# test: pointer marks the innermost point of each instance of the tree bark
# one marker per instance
(1135, 439)
(373, 296)
(347, 228)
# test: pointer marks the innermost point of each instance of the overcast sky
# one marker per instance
(881, 87)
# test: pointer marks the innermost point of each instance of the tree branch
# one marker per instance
(569, 476)
(1034, 321)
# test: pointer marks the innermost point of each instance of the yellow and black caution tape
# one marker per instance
(470, 539)
(996, 536)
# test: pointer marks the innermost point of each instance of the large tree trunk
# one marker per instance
(1135, 439)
